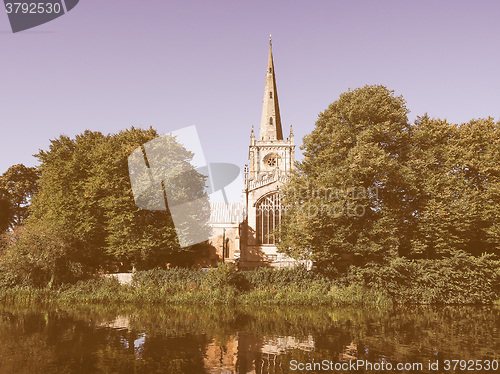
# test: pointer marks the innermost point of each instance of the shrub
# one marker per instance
(40, 256)
(459, 279)
(264, 278)
(160, 277)
(223, 277)
(107, 290)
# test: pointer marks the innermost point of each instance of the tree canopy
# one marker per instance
(374, 186)
(17, 185)
(85, 211)
(456, 176)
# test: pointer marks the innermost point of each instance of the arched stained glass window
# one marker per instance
(268, 219)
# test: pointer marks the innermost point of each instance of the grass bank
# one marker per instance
(459, 280)
(223, 285)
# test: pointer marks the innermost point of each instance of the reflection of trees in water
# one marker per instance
(412, 334)
(260, 340)
(157, 354)
(49, 343)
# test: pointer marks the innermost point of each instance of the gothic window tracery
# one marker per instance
(268, 219)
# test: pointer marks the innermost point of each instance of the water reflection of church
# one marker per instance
(252, 241)
(242, 352)
(246, 353)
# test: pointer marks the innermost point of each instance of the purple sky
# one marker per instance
(108, 65)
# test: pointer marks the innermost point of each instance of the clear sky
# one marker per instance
(108, 65)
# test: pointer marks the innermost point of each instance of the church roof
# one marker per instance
(227, 213)
(270, 124)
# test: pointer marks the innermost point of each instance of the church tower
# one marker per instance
(271, 159)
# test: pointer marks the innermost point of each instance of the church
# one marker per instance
(246, 233)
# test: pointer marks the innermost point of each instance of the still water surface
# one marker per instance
(244, 340)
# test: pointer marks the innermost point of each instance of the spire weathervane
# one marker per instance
(270, 39)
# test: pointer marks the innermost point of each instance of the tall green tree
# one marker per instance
(456, 199)
(349, 194)
(85, 194)
(461, 186)
(423, 191)
(430, 161)
(20, 184)
(476, 168)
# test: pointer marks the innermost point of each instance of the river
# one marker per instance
(223, 340)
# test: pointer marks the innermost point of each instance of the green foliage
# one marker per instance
(85, 193)
(85, 187)
(180, 285)
(159, 277)
(84, 217)
(224, 277)
(347, 194)
(25, 297)
(6, 214)
(264, 278)
(459, 279)
(103, 291)
(356, 294)
(44, 255)
(374, 187)
(157, 285)
(456, 194)
(17, 186)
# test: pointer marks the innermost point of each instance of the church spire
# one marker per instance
(270, 124)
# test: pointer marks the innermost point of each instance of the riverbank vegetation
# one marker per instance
(463, 279)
